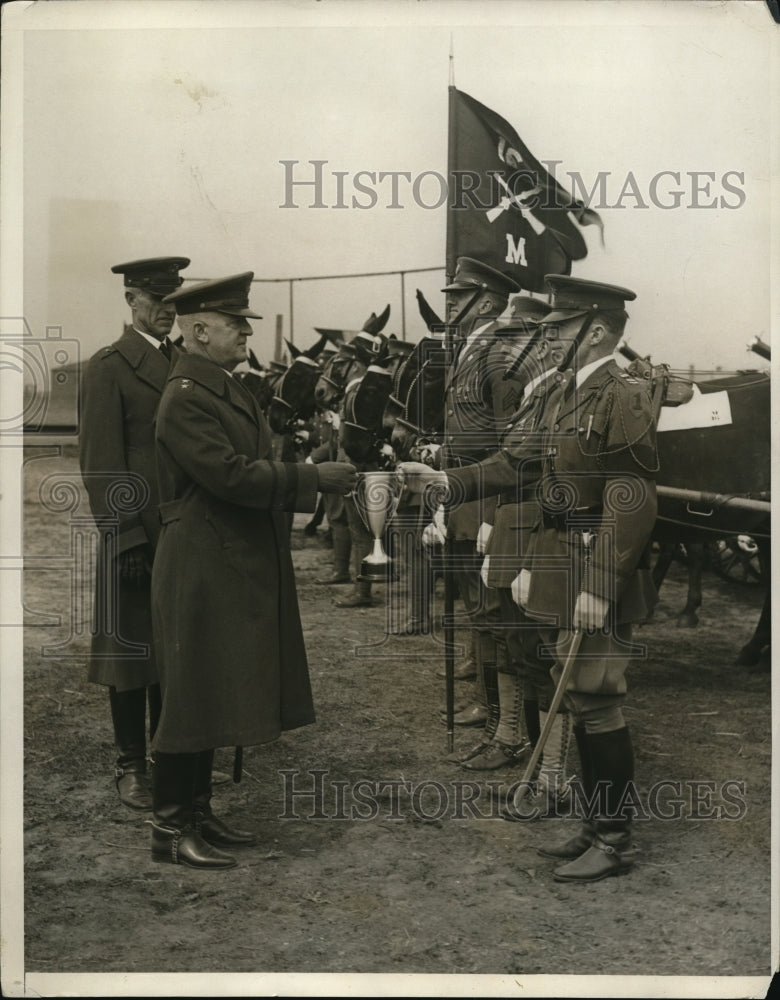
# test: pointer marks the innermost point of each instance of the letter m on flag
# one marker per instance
(504, 208)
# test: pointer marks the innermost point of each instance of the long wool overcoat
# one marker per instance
(121, 391)
(231, 656)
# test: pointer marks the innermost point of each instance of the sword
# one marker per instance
(568, 669)
(560, 690)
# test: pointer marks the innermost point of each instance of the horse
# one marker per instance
(293, 399)
(414, 413)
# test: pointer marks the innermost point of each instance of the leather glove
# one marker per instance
(485, 570)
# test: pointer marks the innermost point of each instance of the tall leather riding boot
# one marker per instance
(611, 851)
(128, 715)
(213, 830)
(575, 846)
(175, 839)
(342, 547)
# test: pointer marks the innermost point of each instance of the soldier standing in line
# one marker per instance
(477, 296)
(120, 395)
(587, 577)
(525, 686)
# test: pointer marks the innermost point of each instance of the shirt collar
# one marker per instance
(537, 381)
(588, 370)
(152, 340)
(477, 331)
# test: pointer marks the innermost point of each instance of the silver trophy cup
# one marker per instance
(376, 498)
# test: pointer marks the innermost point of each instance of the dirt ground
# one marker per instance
(387, 879)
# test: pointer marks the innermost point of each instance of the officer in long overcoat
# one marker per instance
(233, 668)
(121, 391)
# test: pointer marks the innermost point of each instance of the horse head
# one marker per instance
(416, 407)
(294, 395)
(360, 429)
(335, 374)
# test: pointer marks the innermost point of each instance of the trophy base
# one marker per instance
(377, 572)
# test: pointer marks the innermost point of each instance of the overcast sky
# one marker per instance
(159, 129)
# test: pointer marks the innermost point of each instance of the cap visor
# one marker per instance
(240, 312)
(457, 286)
(561, 315)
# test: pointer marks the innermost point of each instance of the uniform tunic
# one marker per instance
(120, 395)
(597, 451)
(233, 666)
(473, 418)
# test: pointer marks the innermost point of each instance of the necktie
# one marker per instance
(165, 348)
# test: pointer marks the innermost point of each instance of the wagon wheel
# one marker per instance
(737, 558)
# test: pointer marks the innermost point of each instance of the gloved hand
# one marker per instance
(485, 570)
(135, 565)
(434, 533)
(483, 537)
(590, 612)
(429, 454)
(417, 476)
(520, 588)
(336, 477)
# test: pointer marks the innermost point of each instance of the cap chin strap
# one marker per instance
(577, 342)
(520, 360)
(455, 324)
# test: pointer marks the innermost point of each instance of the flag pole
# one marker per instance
(448, 619)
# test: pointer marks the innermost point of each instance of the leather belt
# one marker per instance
(516, 496)
(569, 518)
(169, 511)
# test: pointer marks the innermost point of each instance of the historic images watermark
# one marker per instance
(311, 794)
(316, 185)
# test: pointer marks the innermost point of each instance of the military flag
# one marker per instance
(504, 207)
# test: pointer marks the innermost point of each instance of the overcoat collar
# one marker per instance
(216, 380)
(147, 362)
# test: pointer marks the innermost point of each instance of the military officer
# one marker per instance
(523, 357)
(474, 411)
(120, 395)
(586, 574)
(599, 506)
(233, 666)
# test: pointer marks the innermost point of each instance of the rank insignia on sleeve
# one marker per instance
(636, 403)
